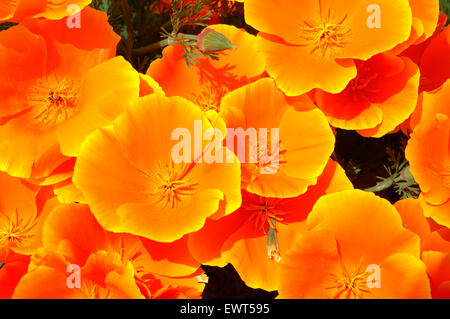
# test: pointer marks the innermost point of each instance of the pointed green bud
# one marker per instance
(210, 40)
(273, 250)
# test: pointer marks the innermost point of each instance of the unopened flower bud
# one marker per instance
(210, 40)
(273, 250)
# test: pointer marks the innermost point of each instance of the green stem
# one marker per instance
(381, 186)
(404, 176)
(163, 43)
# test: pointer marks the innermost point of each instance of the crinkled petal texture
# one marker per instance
(57, 91)
(355, 247)
(307, 39)
(17, 10)
(377, 100)
(138, 179)
(282, 151)
(206, 82)
(428, 154)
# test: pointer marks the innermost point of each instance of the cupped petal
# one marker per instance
(367, 214)
(83, 38)
(23, 57)
(438, 268)
(403, 276)
(400, 106)
(296, 71)
(366, 38)
(7, 9)
(121, 182)
(107, 90)
(427, 152)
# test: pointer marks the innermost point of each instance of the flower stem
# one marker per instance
(163, 43)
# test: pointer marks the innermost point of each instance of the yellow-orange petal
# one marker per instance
(438, 268)
(357, 214)
(107, 90)
(296, 71)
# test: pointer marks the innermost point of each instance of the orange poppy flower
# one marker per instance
(140, 188)
(111, 265)
(432, 236)
(355, 247)
(17, 10)
(438, 268)
(310, 44)
(382, 96)
(425, 17)
(241, 238)
(21, 216)
(52, 98)
(427, 152)
(284, 151)
(61, 178)
(206, 82)
(12, 270)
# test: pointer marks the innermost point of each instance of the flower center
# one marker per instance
(53, 101)
(210, 97)
(264, 211)
(264, 155)
(350, 285)
(354, 286)
(172, 183)
(14, 231)
(325, 35)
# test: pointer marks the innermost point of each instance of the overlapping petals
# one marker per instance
(241, 238)
(142, 190)
(382, 96)
(347, 232)
(140, 153)
(111, 265)
(52, 98)
(286, 150)
(309, 43)
(428, 151)
(208, 81)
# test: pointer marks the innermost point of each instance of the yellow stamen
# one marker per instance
(14, 231)
(325, 35)
(52, 101)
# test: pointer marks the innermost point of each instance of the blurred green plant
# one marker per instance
(400, 176)
(445, 7)
(6, 25)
